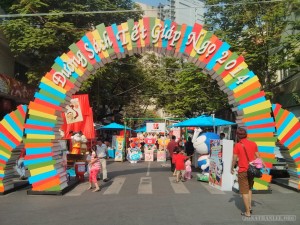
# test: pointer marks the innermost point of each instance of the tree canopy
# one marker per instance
(257, 31)
(43, 38)
(254, 29)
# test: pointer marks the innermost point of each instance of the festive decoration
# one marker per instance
(134, 155)
(288, 134)
(202, 146)
(11, 134)
(78, 140)
(104, 44)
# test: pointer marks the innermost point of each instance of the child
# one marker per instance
(176, 151)
(188, 169)
(179, 165)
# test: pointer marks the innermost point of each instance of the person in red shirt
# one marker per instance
(179, 164)
(243, 147)
(170, 147)
(175, 153)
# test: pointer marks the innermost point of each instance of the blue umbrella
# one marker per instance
(141, 129)
(114, 126)
(203, 121)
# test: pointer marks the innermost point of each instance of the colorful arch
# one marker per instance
(11, 135)
(103, 45)
(288, 133)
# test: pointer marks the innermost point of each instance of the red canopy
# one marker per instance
(87, 125)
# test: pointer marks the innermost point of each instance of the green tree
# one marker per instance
(118, 85)
(180, 88)
(255, 31)
(42, 38)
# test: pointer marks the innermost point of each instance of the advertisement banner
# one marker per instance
(216, 164)
(149, 156)
(155, 127)
(150, 141)
(176, 132)
(73, 113)
(161, 156)
(163, 143)
(119, 148)
(86, 125)
(149, 152)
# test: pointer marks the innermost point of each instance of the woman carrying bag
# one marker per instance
(246, 151)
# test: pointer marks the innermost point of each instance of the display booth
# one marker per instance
(149, 148)
(162, 152)
(118, 142)
(221, 152)
(78, 134)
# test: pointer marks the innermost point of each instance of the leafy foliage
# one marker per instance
(182, 89)
(43, 38)
(255, 30)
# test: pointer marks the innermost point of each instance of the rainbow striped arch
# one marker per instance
(105, 44)
(288, 133)
(11, 135)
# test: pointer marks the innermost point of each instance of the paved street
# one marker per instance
(145, 193)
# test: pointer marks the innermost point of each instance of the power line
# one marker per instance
(127, 11)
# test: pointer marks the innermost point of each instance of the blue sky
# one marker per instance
(152, 2)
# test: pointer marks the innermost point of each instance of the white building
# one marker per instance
(180, 11)
(149, 11)
(186, 11)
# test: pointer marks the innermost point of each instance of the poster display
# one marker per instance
(119, 143)
(73, 114)
(161, 156)
(84, 122)
(155, 127)
(176, 132)
(216, 164)
(149, 155)
(220, 175)
(149, 152)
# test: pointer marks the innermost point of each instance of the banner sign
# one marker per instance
(119, 148)
(216, 164)
(150, 141)
(161, 156)
(176, 132)
(155, 127)
(73, 113)
(149, 156)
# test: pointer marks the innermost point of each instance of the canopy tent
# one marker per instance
(114, 126)
(141, 129)
(203, 121)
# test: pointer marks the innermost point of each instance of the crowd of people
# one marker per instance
(180, 158)
(181, 153)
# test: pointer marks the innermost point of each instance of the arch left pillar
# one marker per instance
(11, 135)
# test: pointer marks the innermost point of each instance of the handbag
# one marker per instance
(252, 170)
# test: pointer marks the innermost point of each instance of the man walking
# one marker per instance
(170, 147)
(102, 155)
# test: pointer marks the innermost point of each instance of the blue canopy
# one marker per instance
(114, 126)
(203, 121)
(141, 129)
